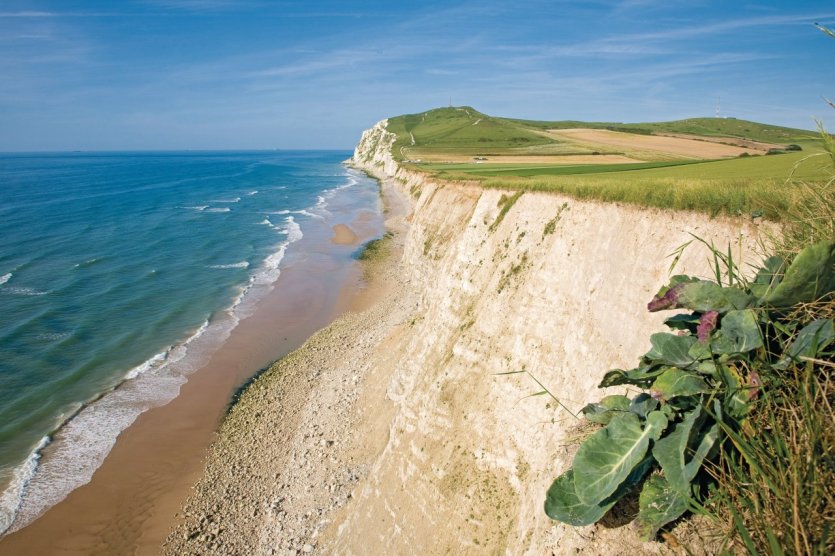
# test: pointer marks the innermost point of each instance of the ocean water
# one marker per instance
(119, 272)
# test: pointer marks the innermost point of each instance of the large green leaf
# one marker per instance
(603, 411)
(642, 405)
(700, 351)
(671, 349)
(562, 504)
(658, 505)
(768, 276)
(642, 376)
(683, 321)
(709, 296)
(682, 451)
(737, 395)
(675, 382)
(810, 276)
(812, 339)
(609, 455)
(739, 333)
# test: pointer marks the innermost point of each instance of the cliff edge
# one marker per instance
(534, 282)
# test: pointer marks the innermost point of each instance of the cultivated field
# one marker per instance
(710, 165)
(658, 145)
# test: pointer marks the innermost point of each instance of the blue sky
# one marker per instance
(224, 74)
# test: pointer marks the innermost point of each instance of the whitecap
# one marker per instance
(233, 200)
(11, 497)
(254, 192)
(199, 208)
(310, 214)
(267, 222)
(270, 270)
(88, 262)
(169, 356)
(218, 209)
(26, 292)
(294, 231)
(242, 264)
(5, 278)
(54, 336)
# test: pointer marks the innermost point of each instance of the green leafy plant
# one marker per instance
(696, 388)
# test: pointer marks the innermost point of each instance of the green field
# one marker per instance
(456, 129)
(525, 170)
(707, 127)
(759, 185)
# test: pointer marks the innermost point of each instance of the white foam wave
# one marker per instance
(218, 209)
(88, 262)
(54, 336)
(310, 214)
(11, 497)
(149, 364)
(167, 357)
(5, 278)
(294, 231)
(233, 200)
(270, 271)
(242, 264)
(251, 193)
(27, 292)
(279, 212)
(351, 181)
(199, 208)
(83, 441)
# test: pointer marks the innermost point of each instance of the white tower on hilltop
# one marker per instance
(718, 105)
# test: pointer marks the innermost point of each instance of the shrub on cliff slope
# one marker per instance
(716, 395)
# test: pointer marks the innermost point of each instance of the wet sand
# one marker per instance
(132, 500)
(343, 235)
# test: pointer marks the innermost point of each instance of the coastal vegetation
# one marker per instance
(462, 144)
(729, 414)
(716, 397)
(376, 248)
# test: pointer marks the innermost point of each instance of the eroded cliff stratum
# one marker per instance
(553, 286)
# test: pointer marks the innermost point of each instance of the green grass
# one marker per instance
(739, 186)
(375, 248)
(523, 170)
(456, 128)
(505, 204)
(709, 127)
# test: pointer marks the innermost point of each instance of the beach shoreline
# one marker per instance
(128, 505)
(287, 450)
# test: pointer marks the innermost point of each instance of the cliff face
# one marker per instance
(556, 287)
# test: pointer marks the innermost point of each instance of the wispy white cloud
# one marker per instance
(713, 28)
(28, 14)
(202, 5)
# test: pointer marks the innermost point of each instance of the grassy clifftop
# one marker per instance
(466, 130)
(713, 165)
(707, 127)
(461, 128)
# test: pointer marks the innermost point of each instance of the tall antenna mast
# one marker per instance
(718, 105)
(450, 102)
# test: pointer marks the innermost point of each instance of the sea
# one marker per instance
(120, 273)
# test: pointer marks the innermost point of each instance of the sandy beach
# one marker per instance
(129, 504)
(290, 452)
(344, 235)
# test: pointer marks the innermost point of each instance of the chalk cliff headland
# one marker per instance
(395, 431)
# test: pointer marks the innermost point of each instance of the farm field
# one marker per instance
(710, 165)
